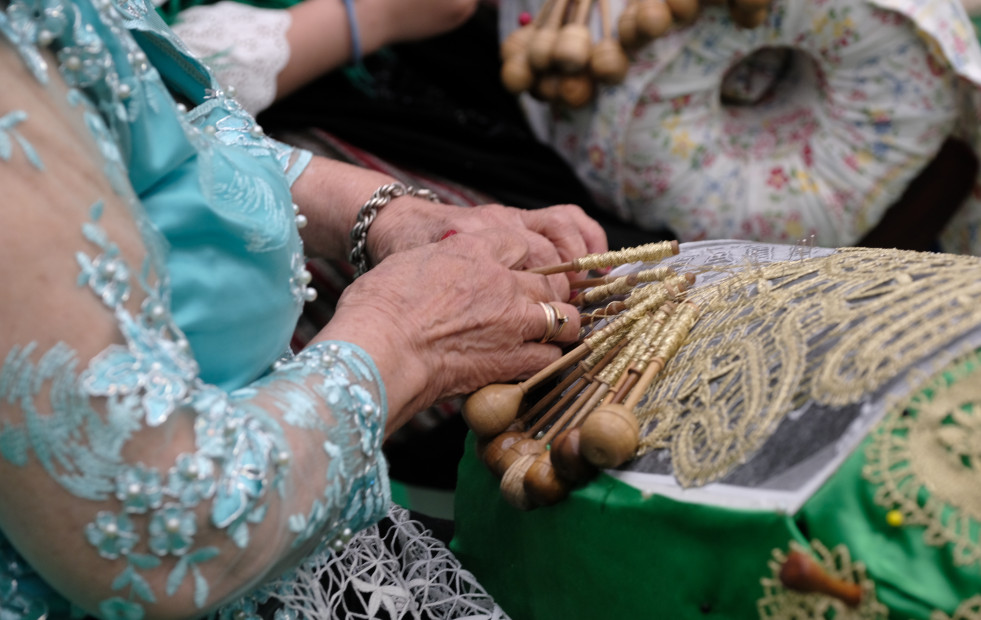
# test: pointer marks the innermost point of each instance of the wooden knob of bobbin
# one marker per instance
(546, 87)
(516, 73)
(496, 448)
(492, 408)
(802, 573)
(542, 47)
(609, 436)
(653, 18)
(576, 90)
(567, 460)
(518, 449)
(542, 486)
(748, 18)
(609, 63)
(751, 5)
(517, 41)
(573, 48)
(513, 483)
(627, 32)
(683, 11)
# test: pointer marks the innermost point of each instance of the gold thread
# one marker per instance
(774, 336)
(649, 253)
(624, 284)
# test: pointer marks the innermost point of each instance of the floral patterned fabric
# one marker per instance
(809, 126)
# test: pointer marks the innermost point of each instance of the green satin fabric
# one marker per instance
(606, 552)
(912, 578)
(609, 552)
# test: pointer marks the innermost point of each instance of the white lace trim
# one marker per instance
(401, 572)
(247, 56)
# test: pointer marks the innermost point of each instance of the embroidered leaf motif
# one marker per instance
(177, 576)
(142, 589)
(123, 579)
(7, 131)
(200, 588)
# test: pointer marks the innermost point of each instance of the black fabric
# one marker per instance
(438, 106)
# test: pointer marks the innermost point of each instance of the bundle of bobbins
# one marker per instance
(554, 431)
(553, 55)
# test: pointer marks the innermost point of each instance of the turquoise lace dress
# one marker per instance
(193, 466)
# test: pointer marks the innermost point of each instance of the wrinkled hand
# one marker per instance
(553, 235)
(447, 318)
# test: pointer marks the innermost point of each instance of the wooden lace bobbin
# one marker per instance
(577, 89)
(541, 47)
(802, 573)
(494, 450)
(523, 453)
(491, 409)
(640, 300)
(748, 17)
(683, 11)
(513, 486)
(489, 449)
(648, 253)
(627, 283)
(546, 87)
(518, 41)
(615, 372)
(653, 274)
(611, 309)
(608, 63)
(506, 448)
(575, 42)
(627, 32)
(603, 342)
(610, 434)
(567, 458)
(653, 19)
(516, 72)
(542, 484)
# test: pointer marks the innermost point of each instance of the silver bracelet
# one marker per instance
(367, 214)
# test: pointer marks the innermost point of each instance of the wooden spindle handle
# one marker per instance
(802, 573)
(575, 42)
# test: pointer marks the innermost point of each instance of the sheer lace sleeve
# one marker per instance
(128, 484)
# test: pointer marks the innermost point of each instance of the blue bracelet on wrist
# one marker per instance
(352, 21)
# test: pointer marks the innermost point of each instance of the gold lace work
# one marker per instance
(775, 336)
(925, 457)
(968, 610)
(781, 603)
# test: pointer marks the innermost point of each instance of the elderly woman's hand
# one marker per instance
(553, 235)
(450, 317)
(329, 194)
